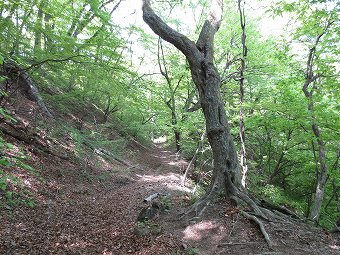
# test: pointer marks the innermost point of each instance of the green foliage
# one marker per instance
(150, 227)
(192, 251)
(13, 190)
(166, 202)
(6, 115)
(274, 193)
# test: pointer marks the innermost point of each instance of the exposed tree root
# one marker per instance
(199, 206)
(280, 209)
(262, 228)
(242, 199)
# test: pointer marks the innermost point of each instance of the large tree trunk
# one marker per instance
(226, 173)
(226, 167)
(308, 89)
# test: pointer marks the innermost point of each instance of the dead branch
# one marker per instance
(151, 197)
(70, 58)
(192, 161)
(229, 244)
(102, 152)
(32, 140)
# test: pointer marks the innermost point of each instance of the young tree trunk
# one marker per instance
(171, 103)
(322, 177)
(243, 152)
(192, 161)
(308, 89)
(178, 140)
(38, 28)
(49, 27)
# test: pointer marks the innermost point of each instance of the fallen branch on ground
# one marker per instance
(31, 140)
(243, 243)
(23, 80)
(102, 152)
(151, 197)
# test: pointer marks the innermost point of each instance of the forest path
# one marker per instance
(96, 214)
(90, 214)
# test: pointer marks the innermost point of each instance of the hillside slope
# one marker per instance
(87, 186)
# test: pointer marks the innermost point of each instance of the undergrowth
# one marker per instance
(13, 190)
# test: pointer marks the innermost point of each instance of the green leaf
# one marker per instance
(3, 184)
(10, 146)
(26, 167)
(5, 162)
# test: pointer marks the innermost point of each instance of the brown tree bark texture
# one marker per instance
(226, 172)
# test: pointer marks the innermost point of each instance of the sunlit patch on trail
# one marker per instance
(170, 181)
(79, 244)
(162, 157)
(200, 230)
(335, 247)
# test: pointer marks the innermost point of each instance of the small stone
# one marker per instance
(184, 245)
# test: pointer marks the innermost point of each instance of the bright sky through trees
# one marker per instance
(131, 15)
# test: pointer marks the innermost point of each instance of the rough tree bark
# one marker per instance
(200, 56)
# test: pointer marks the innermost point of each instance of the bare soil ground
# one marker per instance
(90, 206)
(79, 214)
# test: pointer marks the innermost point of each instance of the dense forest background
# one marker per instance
(281, 91)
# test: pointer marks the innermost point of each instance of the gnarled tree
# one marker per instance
(200, 56)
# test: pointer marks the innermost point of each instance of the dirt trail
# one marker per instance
(97, 215)
(81, 216)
